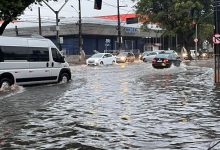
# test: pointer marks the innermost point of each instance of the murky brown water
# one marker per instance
(126, 106)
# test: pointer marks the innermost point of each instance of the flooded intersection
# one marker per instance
(125, 106)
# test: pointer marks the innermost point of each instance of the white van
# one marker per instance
(27, 61)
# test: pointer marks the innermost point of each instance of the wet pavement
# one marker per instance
(124, 106)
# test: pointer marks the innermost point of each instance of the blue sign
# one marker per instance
(131, 30)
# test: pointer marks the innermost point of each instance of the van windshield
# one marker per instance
(57, 57)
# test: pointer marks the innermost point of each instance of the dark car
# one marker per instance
(165, 60)
(123, 57)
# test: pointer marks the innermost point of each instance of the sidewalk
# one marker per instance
(75, 60)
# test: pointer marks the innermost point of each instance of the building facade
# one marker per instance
(99, 37)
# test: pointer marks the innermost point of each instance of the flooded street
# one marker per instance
(124, 106)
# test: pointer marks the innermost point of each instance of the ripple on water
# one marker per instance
(13, 90)
(122, 107)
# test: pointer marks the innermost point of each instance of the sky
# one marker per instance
(70, 10)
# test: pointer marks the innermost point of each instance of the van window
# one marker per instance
(14, 53)
(57, 57)
(23, 53)
(38, 54)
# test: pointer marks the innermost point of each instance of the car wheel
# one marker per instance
(5, 83)
(113, 62)
(64, 78)
(144, 60)
(101, 63)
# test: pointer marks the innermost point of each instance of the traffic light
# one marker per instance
(98, 4)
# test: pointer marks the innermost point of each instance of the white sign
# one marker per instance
(107, 42)
(61, 40)
(195, 40)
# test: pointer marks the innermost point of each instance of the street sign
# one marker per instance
(61, 40)
(107, 42)
(195, 40)
(216, 38)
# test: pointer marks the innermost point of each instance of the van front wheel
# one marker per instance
(64, 77)
(5, 83)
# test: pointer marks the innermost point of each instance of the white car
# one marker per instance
(148, 57)
(101, 59)
(194, 54)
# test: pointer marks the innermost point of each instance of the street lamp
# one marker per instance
(196, 28)
(57, 21)
(119, 27)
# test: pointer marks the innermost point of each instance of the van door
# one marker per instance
(57, 62)
(39, 71)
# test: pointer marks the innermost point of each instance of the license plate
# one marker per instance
(159, 61)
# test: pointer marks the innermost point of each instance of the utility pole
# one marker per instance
(119, 28)
(196, 40)
(57, 21)
(216, 45)
(16, 30)
(39, 18)
(80, 31)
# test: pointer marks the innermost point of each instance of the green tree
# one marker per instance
(176, 16)
(11, 9)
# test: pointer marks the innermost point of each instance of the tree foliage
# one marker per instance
(177, 16)
(11, 9)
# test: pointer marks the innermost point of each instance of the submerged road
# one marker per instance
(124, 106)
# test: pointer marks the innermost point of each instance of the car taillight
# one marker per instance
(154, 61)
(165, 60)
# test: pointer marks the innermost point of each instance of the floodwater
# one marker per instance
(124, 106)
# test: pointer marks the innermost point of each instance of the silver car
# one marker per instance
(148, 57)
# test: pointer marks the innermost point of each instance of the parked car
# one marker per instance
(101, 59)
(165, 60)
(148, 57)
(123, 57)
